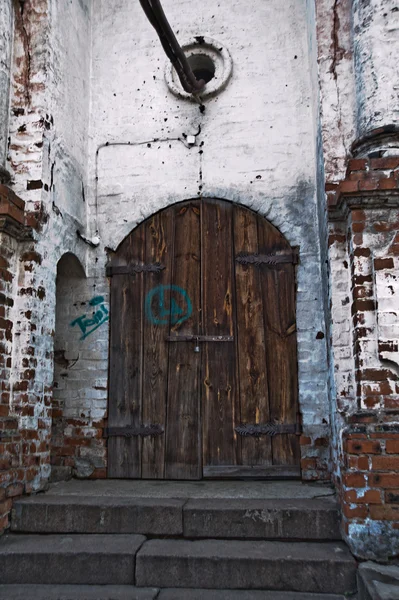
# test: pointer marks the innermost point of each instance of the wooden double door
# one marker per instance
(203, 367)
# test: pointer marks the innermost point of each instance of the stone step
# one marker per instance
(77, 592)
(226, 564)
(306, 519)
(127, 592)
(302, 518)
(192, 594)
(69, 559)
(74, 514)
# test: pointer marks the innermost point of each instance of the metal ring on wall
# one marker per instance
(203, 54)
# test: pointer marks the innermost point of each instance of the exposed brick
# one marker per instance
(358, 227)
(355, 512)
(387, 183)
(358, 215)
(357, 480)
(386, 164)
(4, 522)
(363, 447)
(384, 512)
(360, 463)
(362, 305)
(383, 263)
(377, 375)
(5, 506)
(14, 490)
(348, 187)
(392, 446)
(362, 252)
(304, 440)
(385, 463)
(369, 184)
(369, 497)
(308, 463)
(392, 497)
(357, 164)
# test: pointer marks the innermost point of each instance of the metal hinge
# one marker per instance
(133, 431)
(270, 429)
(133, 269)
(292, 256)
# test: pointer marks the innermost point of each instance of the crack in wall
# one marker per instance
(21, 26)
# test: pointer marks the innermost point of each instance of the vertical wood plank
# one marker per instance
(220, 395)
(251, 350)
(158, 248)
(183, 455)
(126, 359)
(278, 285)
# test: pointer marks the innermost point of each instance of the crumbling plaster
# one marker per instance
(376, 52)
(6, 28)
(47, 157)
(337, 84)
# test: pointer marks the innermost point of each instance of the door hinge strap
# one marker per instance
(259, 260)
(199, 338)
(271, 429)
(133, 269)
(133, 431)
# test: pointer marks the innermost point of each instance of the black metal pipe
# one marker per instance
(156, 16)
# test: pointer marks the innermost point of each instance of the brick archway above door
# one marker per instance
(203, 367)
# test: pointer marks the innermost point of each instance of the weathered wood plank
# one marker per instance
(257, 471)
(251, 351)
(202, 291)
(159, 248)
(183, 454)
(278, 285)
(126, 359)
(219, 405)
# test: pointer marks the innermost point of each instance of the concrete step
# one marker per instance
(76, 592)
(74, 514)
(226, 564)
(69, 559)
(306, 519)
(310, 518)
(378, 582)
(127, 592)
(191, 594)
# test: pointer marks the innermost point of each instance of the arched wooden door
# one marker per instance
(203, 367)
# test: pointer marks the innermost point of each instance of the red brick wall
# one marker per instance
(25, 426)
(366, 222)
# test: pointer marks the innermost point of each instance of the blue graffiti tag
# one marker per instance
(89, 324)
(176, 311)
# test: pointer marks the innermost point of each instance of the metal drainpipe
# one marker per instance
(173, 50)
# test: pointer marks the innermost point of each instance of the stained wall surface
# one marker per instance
(6, 19)
(255, 143)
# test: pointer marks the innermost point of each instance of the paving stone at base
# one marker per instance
(76, 592)
(231, 564)
(316, 519)
(74, 514)
(190, 594)
(69, 559)
(378, 582)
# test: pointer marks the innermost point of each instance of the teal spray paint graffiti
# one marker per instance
(88, 324)
(160, 311)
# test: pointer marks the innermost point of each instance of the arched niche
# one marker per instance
(71, 283)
